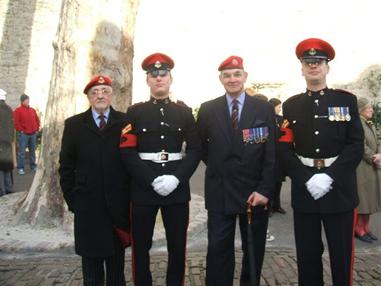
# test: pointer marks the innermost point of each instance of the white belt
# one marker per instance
(161, 157)
(317, 163)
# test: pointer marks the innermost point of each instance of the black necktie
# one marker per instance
(102, 121)
(234, 115)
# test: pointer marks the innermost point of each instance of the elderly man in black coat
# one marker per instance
(95, 186)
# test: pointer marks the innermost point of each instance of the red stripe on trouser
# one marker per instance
(353, 248)
(132, 248)
(185, 255)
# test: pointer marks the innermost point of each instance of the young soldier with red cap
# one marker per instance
(322, 146)
(238, 138)
(95, 186)
(152, 147)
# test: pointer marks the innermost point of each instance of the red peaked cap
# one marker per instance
(97, 80)
(157, 61)
(314, 48)
(232, 62)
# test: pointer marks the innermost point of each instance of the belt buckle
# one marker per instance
(319, 163)
(164, 156)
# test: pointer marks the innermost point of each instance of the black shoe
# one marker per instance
(280, 210)
(364, 238)
(371, 236)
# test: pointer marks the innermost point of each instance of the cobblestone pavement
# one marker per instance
(279, 269)
(45, 263)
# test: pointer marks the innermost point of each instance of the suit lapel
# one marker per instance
(248, 113)
(223, 117)
(111, 121)
(89, 121)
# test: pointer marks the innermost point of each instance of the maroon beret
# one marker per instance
(314, 48)
(232, 62)
(97, 80)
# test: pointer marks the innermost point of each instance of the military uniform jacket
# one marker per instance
(324, 124)
(160, 126)
(236, 168)
(94, 182)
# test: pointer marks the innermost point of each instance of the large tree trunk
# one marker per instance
(93, 37)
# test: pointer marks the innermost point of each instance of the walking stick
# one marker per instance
(250, 247)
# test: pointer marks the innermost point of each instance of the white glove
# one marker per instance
(319, 185)
(165, 184)
(155, 185)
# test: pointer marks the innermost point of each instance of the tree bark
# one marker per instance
(92, 38)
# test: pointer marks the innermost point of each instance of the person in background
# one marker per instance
(96, 187)
(321, 146)
(238, 138)
(279, 171)
(368, 174)
(27, 125)
(161, 149)
(7, 137)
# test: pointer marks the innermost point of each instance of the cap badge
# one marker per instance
(234, 62)
(312, 52)
(158, 64)
(101, 80)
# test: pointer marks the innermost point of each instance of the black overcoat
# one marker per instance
(93, 181)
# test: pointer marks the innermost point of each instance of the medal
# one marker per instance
(331, 113)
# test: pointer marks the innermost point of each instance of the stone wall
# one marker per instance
(27, 30)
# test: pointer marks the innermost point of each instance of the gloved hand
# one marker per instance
(155, 185)
(165, 184)
(319, 185)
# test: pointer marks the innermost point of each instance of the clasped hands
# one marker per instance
(319, 185)
(165, 184)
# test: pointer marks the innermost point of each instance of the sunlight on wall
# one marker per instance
(199, 34)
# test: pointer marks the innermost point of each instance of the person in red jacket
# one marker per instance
(27, 125)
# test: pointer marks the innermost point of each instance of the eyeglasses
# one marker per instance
(156, 73)
(104, 91)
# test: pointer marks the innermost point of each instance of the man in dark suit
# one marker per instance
(161, 149)
(322, 145)
(237, 134)
(95, 185)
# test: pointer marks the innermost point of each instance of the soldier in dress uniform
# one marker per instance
(321, 146)
(161, 149)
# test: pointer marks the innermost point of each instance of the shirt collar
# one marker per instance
(240, 99)
(96, 114)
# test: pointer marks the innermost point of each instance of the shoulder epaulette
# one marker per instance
(180, 103)
(294, 97)
(343, 91)
(136, 104)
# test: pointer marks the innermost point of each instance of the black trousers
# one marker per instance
(93, 269)
(175, 219)
(275, 204)
(220, 260)
(339, 230)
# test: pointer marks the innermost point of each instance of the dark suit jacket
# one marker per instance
(235, 169)
(94, 182)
